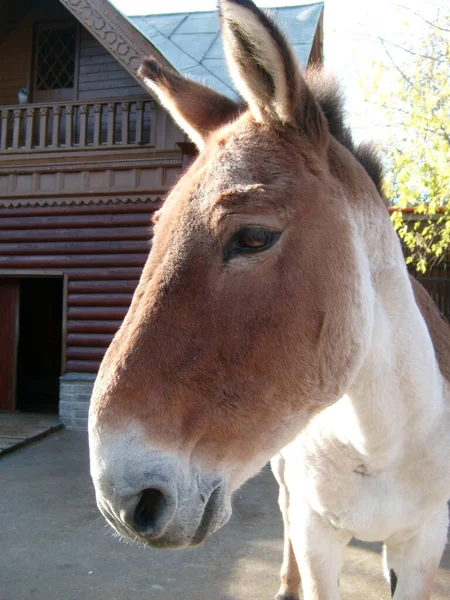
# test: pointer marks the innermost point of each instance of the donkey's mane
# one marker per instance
(330, 96)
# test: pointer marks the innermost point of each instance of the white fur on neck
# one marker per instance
(375, 462)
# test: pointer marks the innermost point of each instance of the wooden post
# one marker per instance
(16, 130)
(189, 153)
(4, 136)
(83, 124)
(139, 120)
(125, 122)
(29, 128)
(153, 117)
(97, 124)
(161, 129)
(43, 118)
(111, 123)
(68, 136)
(56, 122)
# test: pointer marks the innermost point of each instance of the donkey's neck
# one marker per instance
(395, 399)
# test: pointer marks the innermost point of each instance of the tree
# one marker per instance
(417, 155)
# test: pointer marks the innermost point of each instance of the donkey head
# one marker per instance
(249, 315)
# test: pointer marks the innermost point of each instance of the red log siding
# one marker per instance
(102, 249)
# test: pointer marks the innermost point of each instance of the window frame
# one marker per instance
(57, 94)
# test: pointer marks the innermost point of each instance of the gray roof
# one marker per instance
(191, 41)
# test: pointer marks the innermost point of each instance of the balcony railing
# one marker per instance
(76, 125)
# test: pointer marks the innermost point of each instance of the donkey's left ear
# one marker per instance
(197, 109)
(266, 71)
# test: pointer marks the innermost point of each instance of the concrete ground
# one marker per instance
(54, 545)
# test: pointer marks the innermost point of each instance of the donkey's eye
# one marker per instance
(251, 239)
(255, 239)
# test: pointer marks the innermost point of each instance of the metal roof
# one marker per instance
(192, 43)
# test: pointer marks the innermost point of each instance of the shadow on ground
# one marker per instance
(54, 544)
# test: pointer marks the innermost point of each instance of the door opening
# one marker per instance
(40, 343)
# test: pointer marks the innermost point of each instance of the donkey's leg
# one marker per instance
(318, 548)
(411, 563)
(289, 575)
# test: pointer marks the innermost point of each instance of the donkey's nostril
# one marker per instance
(151, 512)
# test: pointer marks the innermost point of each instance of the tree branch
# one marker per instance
(431, 24)
(405, 77)
(409, 51)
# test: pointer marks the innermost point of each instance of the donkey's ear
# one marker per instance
(266, 71)
(197, 109)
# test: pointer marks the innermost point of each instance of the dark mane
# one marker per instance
(329, 95)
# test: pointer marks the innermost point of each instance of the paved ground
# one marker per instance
(19, 429)
(54, 545)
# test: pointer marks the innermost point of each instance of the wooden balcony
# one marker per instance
(69, 126)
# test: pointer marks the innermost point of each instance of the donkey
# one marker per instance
(275, 318)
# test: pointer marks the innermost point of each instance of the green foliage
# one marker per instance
(417, 156)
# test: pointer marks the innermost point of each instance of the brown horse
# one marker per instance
(275, 317)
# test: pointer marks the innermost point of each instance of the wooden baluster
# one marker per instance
(43, 119)
(97, 123)
(56, 122)
(68, 133)
(139, 121)
(29, 128)
(16, 130)
(83, 124)
(153, 117)
(111, 123)
(4, 136)
(125, 122)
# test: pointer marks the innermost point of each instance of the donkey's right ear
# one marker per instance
(197, 109)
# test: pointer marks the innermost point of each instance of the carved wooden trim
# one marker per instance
(123, 41)
(82, 201)
(92, 166)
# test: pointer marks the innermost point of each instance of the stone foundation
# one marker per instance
(75, 390)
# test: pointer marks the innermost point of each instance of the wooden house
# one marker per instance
(86, 156)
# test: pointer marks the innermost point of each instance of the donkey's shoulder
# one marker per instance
(437, 325)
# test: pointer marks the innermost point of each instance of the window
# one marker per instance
(55, 62)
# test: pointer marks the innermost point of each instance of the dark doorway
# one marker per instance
(40, 342)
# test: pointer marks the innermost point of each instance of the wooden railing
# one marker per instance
(76, 125)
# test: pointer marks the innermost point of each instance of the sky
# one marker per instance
(352, 32)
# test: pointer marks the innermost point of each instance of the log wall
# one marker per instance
(102, 249)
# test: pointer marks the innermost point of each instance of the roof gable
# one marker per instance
(110, 27)
(189, 41)
(192, 43)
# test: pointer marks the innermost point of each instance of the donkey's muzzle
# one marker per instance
(153, 497)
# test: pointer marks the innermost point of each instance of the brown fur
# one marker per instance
(217, 342)
(438, 326)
